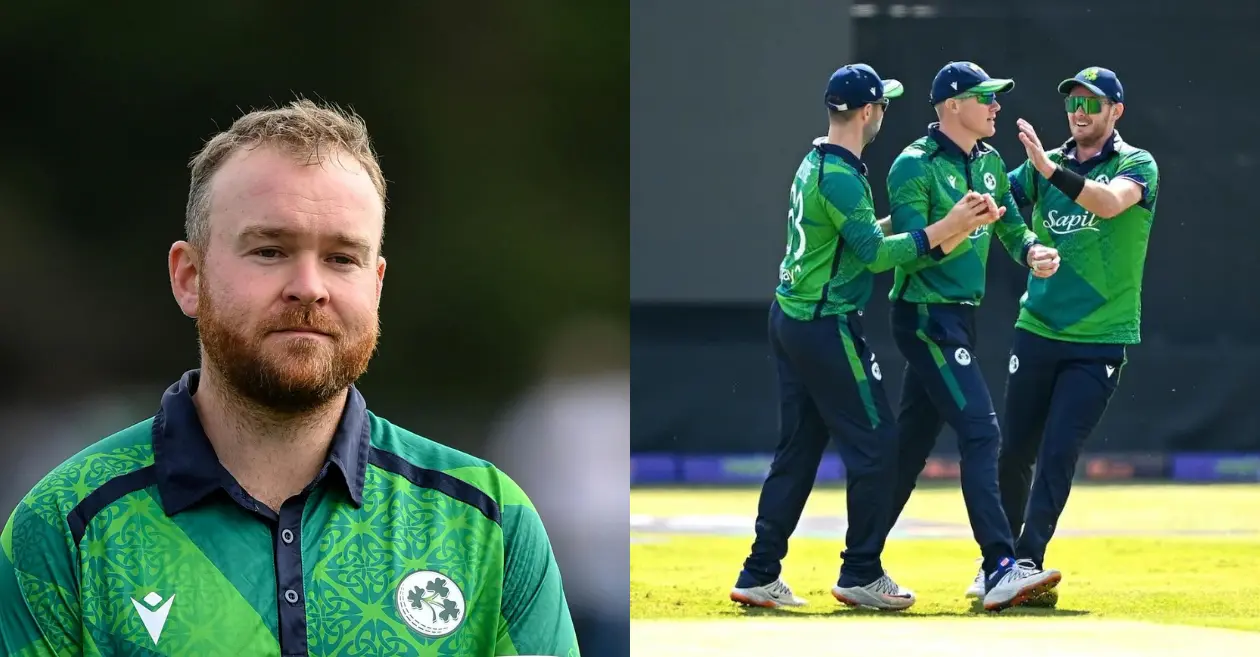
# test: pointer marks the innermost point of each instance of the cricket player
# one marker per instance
(935, 297)
(1093, 198)
(829, 380)
(264, 510)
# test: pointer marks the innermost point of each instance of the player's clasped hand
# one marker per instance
(974, 210)
(1043, 260)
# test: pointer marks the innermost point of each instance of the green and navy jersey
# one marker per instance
(925, 182)
(1096, 296)
(143, 544)
(834, 243)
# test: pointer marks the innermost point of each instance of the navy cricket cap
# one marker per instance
(1101, 81)
(855, 85)
(958, 78)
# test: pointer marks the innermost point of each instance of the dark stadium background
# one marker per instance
(502, 131)
(725, 103)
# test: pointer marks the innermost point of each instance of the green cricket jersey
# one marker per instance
(833, 241)
(143, 544)
(925, 182)
(1096, 296)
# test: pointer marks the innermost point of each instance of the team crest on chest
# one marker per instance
(430, 603)
(990, 181)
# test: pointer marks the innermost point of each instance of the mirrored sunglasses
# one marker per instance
(987, 98)
(1091, 104)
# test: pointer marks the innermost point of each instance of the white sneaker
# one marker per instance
(976, 590)
(1017, 583)
(883, 594)
(774, 594)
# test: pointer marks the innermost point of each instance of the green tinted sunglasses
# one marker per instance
(987, 98)
(1091, 104)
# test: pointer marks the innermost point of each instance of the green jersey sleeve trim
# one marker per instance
(1023, 182)
(1139, 166)
(844, 195)
(39, 606)
(108, 493)
(859, 227)
(908, 193)
(485, 477)
(436, 480)
(536, 618)
(910, 197)
(40, 543)
(1011, 229)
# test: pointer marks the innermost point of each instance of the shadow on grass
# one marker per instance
(977, 609)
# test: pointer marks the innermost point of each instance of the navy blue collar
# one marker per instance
(188, 470)
(844, 154)
(947, 145)
(1108, 149)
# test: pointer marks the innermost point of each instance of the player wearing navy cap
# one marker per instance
(1093, 198)
(934, 303)
(829, 380)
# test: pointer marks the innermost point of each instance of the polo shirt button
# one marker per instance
(286, 536)
(291, 596)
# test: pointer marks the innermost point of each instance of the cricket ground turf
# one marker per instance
(1147, 570)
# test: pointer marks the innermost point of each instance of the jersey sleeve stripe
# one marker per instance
(437, 480)
(108, 493)
(1017, 191)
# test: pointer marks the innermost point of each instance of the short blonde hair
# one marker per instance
(308, 131)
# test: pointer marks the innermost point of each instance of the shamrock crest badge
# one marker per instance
(430, 603)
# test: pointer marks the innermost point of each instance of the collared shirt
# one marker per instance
(844, 154)
(1096, 295)
(924, 183)
(144, 544)
(835, 244)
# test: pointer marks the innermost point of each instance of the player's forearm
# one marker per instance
(1013, 232)
(1016, 238)
(1102, 200)
(938, 240)
(1017, 245)
(952, 243)
(898, 250)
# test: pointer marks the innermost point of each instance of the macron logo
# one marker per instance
(153, 616)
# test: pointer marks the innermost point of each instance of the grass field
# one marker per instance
(1147, 570)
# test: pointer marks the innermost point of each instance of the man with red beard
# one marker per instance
(264, 510)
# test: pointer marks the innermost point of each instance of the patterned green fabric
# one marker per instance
(413, 572)
(833, 241)
(1096, 296)
(924, 183)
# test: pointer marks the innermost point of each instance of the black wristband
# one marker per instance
(1068, 182)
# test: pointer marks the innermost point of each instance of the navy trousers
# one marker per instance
(943, 384)
(1056, 393)
(829, 387)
